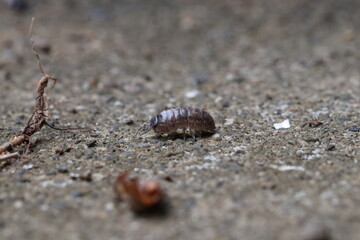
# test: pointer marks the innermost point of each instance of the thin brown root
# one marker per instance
(33, 47)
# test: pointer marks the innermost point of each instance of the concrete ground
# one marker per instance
(251, 64)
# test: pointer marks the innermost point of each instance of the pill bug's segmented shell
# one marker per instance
(170, 120)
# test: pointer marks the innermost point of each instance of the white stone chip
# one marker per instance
(284, 124)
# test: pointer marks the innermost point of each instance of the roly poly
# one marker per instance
(170, 120)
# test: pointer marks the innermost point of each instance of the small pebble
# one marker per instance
(330, 147)
(18, 204)
(310, 139)
(192, 94)
(284, 124)
(129, 122)
(89, 153)
(77, 194)
(95, 134)
(98, 177)
(113, 128)
(203, 150)
(98, 164)
(238, 78)
(50, 173)
(91, 144)
(22, 180)
(86, 176)
(28, 166)
(200, 78)
(68, 149)
(20, 171)
(216, 137)
(238, 149)
(354, 128)
(62, 168)
(229, 121)
(59, 150)
(74, 176)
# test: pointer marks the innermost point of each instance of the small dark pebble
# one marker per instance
(310, 139)
(86, 176)
(59, 150)
(113, 128)
(163, 166)
(17, 5)
(71, 135)
(45, 47)
(22, 180)
(239, 78)
(68, 149)
(20, 171)
(74, 176)
(225, 103)
(219, 184)
(91, 144)
(200, 78)
(168, 178)
(77, 194)
(79, 154)
(179, 140)
(62, 168)
(89, 153)
(129, 122)
(330, 147)
(95, 110)
(77, 141)
(316, 232)
(354, 128)
(50, 173)
(203, 150)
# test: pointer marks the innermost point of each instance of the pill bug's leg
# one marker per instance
(192, 133)
(184, 133)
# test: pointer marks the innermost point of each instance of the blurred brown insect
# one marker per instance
(140, 195)
(170, 120)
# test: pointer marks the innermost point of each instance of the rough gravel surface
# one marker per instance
(251, 64)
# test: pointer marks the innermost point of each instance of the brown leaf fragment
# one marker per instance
(314, 123)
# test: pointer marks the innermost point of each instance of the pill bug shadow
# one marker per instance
(191, 121)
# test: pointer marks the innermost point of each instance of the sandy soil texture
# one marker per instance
(251, 64)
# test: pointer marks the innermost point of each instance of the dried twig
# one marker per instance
(9, 156)
(39, 117)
